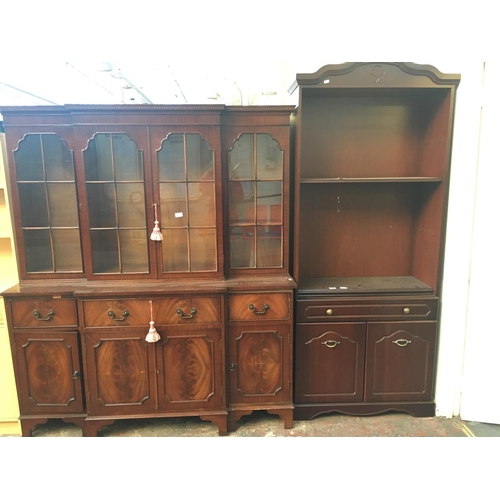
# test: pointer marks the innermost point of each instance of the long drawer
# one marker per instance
(369, 308)
(166, 311)
(44, 313)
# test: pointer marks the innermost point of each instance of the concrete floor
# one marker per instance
(261, 424)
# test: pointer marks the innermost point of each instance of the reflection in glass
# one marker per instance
(173, 204)
(134, 250)
(48, 204)
(171, 158)
(255, 202)
(62, 206)
(114, 176)
(58, 159)
(175, 250)
(38, 250)
(33, 202)
(187, 204)
(67, 249)
(28, 159)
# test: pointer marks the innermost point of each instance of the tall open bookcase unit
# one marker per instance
(153, 250)
(373, 144)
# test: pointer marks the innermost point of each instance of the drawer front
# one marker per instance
(332, 310)
(259, 306)
(44, 313)
(137, 312)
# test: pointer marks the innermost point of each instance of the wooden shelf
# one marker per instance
(362, 285)
(370, 180)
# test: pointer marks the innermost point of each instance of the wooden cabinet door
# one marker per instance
(400, 361)
(48, 373)
(120, 373)
(189, 369)
(259, 363)
(329, 364)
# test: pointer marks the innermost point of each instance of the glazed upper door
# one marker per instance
(46, 205)
(116, 193)
(255, 202)
(186, 201)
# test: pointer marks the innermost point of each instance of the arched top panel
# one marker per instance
(378, 74)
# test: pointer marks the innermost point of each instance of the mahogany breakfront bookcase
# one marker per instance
(154, 246)
(154, 262)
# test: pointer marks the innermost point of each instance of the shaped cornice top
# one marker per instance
(375, 74)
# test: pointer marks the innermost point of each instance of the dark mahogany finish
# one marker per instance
(373, 144)
(90, 185)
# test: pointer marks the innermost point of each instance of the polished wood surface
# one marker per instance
(329, 362)
(165, 311)
(49, 373)
(400, 361)
(259, 306)
(44, 313)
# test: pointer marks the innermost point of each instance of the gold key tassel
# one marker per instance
(156, 234)
(153, 335)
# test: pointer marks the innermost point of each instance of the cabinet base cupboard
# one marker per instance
(154, 263)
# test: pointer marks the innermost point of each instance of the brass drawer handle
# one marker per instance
(331, 343)
(401, 342)
(329, 312)
(39, 317)
(254, 310)
(183, 316)
(406, 310)
(125, 313)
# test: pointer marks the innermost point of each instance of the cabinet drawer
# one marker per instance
(259, 306)
(44, 313)
(166, 311)
(379, 309)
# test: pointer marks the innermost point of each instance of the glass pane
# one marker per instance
(203, 246)
(171, 159)
(241, 203)
(67, 250)
(97, 159)
(128, 160)
(201, 204)
(134, 251)
(38, 251)
(175, 250)
(101, 200)
(269, 158)
(240, 158)
(105, 251)
(28, 158)
(131, 208)
(199, 158)
(173, 205)
(33, 205)
(241, 247)
(62, 205)
(269, 239)
(269, 202)
(58, 159)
